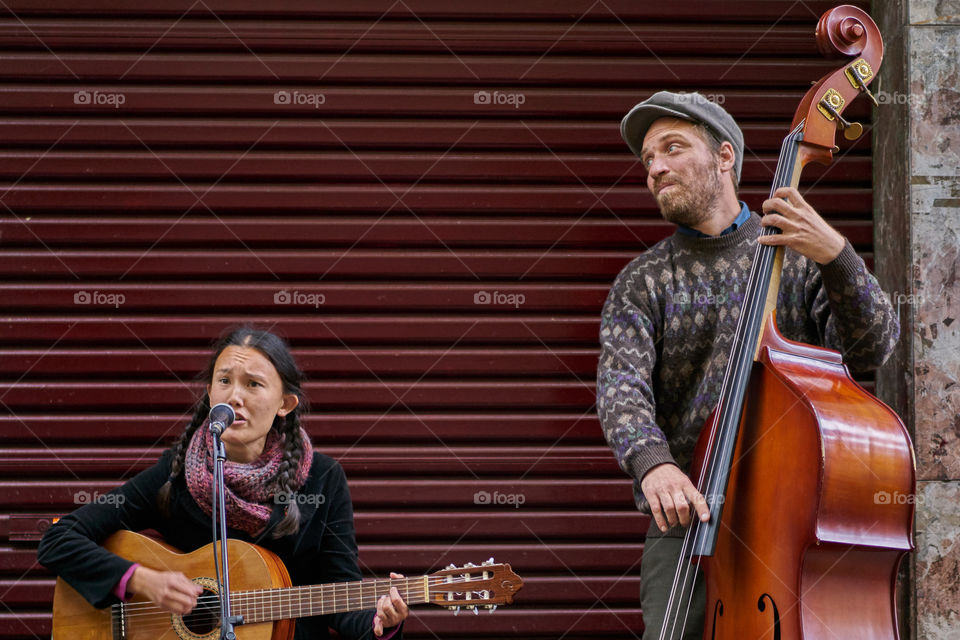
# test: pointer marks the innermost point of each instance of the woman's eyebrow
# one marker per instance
(249, 374)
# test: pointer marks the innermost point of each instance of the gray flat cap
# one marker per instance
(686, 106)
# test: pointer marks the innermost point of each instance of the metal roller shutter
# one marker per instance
(429, 199)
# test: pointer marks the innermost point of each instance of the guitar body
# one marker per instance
(251, 568)
(261, 593)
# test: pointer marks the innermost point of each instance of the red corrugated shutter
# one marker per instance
(439, 194)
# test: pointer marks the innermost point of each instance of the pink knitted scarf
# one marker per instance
(249, 486)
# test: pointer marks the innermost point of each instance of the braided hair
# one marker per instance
(276, 350)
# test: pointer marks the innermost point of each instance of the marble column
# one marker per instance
(917, 240)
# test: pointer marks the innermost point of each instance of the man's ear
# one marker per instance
(728, 158)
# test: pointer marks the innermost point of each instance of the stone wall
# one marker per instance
(917, 213)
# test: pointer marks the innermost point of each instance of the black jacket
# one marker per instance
(323, 550)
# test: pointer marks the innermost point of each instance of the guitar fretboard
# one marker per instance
(316, 600)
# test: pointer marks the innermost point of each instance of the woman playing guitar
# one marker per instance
(280, 494)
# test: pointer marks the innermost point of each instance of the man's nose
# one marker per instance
(657, 166)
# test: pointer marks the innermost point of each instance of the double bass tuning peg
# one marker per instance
(858, 74)
(829, 106)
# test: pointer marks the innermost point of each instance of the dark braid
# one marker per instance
(287, 475)
(179, 449)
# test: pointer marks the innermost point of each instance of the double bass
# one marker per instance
(808, 477)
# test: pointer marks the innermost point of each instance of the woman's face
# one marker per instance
(246, 380)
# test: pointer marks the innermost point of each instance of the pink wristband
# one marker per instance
(121, 589)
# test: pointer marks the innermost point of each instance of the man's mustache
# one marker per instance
(657, 186)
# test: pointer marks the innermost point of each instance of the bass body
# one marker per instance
(812, 550)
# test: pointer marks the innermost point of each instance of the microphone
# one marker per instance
(221, 417)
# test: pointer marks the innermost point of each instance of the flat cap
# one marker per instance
(686, 106)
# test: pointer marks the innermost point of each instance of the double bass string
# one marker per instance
(747, 335)
(736, 375)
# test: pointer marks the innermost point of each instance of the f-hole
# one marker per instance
(761, 606)
(717, 613)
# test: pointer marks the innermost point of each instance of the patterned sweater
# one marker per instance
(668, 325)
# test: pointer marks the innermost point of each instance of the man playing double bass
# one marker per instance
(670, 317)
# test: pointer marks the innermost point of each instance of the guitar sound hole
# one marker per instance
(206, 615)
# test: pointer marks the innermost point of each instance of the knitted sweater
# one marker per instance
(668, 325)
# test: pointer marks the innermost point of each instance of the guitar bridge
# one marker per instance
(118, 621)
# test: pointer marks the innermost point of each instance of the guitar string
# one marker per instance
(312, 589)
(160, 619)
(251, 600)
(684, 578)
(337, 586)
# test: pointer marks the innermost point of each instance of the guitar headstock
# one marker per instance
(471, 586)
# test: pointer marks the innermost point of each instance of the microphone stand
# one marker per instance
(227, 620)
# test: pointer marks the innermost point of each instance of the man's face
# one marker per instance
(683, 173)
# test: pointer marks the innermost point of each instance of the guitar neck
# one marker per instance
(267, 605)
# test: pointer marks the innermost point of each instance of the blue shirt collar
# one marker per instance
(743, 216)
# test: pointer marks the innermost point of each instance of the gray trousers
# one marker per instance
(657, 569)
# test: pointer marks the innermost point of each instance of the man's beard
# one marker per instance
(690, 205)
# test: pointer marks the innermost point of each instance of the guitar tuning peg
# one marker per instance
(476, 612)
(469, 565)
(490, 561)
(456, 611)
(492, 607)
(451, 566)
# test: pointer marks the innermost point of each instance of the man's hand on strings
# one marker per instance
(803, 229)
(670, 494)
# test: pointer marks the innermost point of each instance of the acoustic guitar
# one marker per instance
(261, 592)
